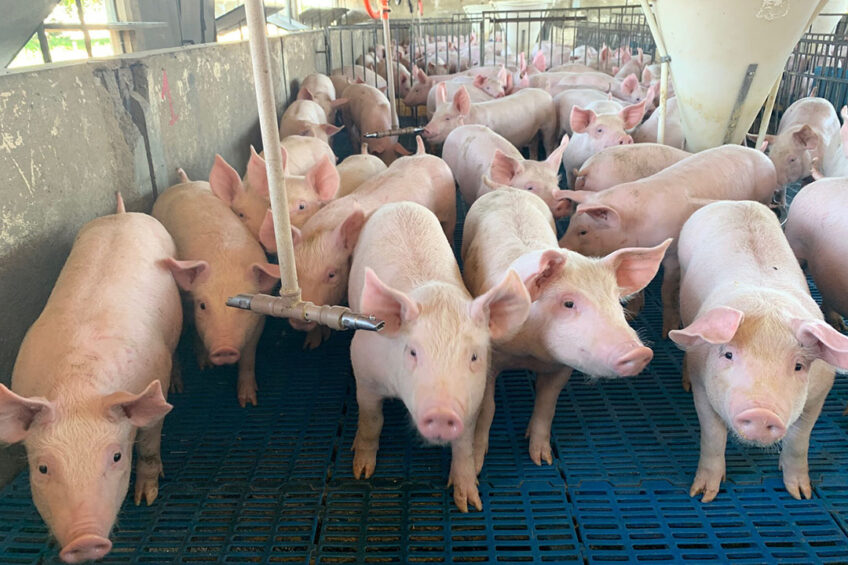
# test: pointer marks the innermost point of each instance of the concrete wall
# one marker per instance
(71, 135)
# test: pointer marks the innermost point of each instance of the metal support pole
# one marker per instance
(390, 71)
(260, 58)
(664, 59)
(764, 122)
(45, 46)
(85, 34)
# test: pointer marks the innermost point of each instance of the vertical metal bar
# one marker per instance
(271, 143)
(764, 122)
(482, 41)
(45, 46)
(390, 79)
(85, 34)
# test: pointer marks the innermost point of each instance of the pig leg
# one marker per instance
(793, 456)
(367, 439)
(462, 475)
(176, 375)
(833, 318)
(670, 293)
(316, 336)
(148, 468)
(247, 371)
(711, 465)
(685, 379)
(548, 387)
(201, 353)
(533, 148)
(548, 133)
(484, 422)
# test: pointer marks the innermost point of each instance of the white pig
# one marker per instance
(434, 350)
(319, 88)
(89, 380)
(218, 258)
(368, 111)
(473, 151)
(625, 163)
(648, 131)
(576, 319)
(306, 117)
(757, 350)
(357, 169)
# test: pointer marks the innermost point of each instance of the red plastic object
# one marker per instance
(376, 15)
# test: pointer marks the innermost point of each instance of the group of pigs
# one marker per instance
(92, 373)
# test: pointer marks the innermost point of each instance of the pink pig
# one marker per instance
(598, 126)
(576, 319)
(653, 209)
(480, 89)
(758, 354)
(368, 111)
(319, 88)
(817, 230)
(474, 151)
(89, 381)
(306, 117)
(648, 131)
(218, 258)
(625, 163)
(404, 272)
(356, 169)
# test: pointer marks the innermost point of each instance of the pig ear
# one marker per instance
(508, 87)
(142, 410)
(18, 415)
(554, 160)
(305, 94)
(502, 74)
(539, 61)
(267, 235)
(330, 129)
(462, 101)
(324, 179)
(806, 138)
(492, 184)
(576, 196)
(615, 70)
(479, 81)
(580, 119)
(257, 174)
(827, 343)
(387, 304)
(347, 234)
(504, 307)
(630, 84)
(224, 181)
(716, 326)
(602, 215)
(419, 142)
(420, 75)
(632, 115)
(188, 274)
(635, 267)
(537, 269)
(265, 275)
(339, 102)
(441, 93)
(646, 75)
(504, 168)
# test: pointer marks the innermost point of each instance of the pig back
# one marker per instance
(469, 152)
(404, 243)
(114, 306)
(731, 248)
(500, 227)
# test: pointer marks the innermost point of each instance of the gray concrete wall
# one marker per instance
(71, 135)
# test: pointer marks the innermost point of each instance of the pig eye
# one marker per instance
(331, 275)
(241, 214)
(301, 206)
(531, 188)
(600, 130)
(583, 232)
(473, 357)
(42, 469)
(116, 457)
(568, 304)
(792, 159)
(413, 353)
(728, 355)
(203, 306)
(799, 366)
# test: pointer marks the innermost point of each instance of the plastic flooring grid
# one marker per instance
(273, 483)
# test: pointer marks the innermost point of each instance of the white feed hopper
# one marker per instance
(725, 58)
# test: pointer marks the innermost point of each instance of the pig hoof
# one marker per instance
(464, 493)
(687, 386)
(540, 450)
(364, 463)
(316, 337)
(707, 483)
(176, 385)
(146, 489)
(796, 479)
(245, 396)
(836, 321)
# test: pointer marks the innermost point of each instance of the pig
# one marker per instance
(758, 353)
(576, 319)
(630, 65)
(596, 127)
(808, 133)
(403, 78)
(583, 97)
(535, 108)
(304, 152)
(250, 198)
(341, 78)
(625, 163)
(480, 89)
(474, 151)
(306, 117)
(647, 132)
(649, 210)
(817, 230)
(323, 247)
(319, 88)
(367, 111)
(90, 379)
(217, 257)
(405, 273)
(357, 169)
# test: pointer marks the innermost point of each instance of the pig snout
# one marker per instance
(631, 359)
(224, 355)
(759, 425)
(440, 424)
(302, 325)
(625, 140)
(87, 547)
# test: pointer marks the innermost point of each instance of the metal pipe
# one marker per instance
(334, 317)
(390, 71)
(260, 58)
(764, 122)
(392, 132)
(664, 59)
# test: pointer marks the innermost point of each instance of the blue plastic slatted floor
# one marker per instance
(273, 483)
